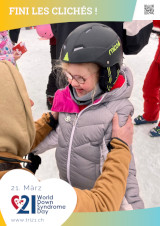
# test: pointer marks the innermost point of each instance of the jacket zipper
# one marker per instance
(71, 139)
(69, 150)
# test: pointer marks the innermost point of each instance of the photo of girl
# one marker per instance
(94, 93)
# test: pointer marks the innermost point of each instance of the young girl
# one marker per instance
(91, 60)
(6, 52)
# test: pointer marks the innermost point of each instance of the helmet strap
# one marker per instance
(108, 77)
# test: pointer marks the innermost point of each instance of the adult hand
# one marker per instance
(125, 132)
(16, 55)
(55, 115)
(31, 102)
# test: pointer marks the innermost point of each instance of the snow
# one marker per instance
(35, 67)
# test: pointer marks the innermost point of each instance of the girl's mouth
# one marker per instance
(79, 90)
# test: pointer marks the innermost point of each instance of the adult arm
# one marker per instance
(136, 35)
(44, 126)
(109, 189)
(132, 199)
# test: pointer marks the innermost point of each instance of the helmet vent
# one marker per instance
(78, 48)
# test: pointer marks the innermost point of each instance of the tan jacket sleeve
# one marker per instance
(42, 129)
(109, 189)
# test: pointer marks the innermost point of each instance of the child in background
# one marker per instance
(51, 86)
(6, 52)
(98, 87)
(151, 93)
(45, 32)
(54, 83)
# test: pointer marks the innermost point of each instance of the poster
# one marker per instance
(35, 67)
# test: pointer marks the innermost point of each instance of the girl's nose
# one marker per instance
(74, 83)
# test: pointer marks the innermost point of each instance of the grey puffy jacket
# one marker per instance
(81, 140)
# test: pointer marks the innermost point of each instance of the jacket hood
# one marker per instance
(17, 131)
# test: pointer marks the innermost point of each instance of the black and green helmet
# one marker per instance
(95, 43)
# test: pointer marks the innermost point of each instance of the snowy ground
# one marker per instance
(35, 67)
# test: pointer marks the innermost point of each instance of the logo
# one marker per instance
(16, 202)
(20, 204)
(114, 48)
(28, 200)
(39, 204)
(66, 57)
(68, 118)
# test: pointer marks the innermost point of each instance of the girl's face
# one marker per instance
(83, 77)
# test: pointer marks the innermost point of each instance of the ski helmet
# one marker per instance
(44, 31)
(92, 43)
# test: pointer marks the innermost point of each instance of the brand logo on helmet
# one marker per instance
(114, 48)
(66, 57)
